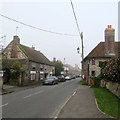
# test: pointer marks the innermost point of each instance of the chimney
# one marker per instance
(14, 49)
(110, 41)
(33, 47)
(110, 26)
(16, 40)
(54, 59)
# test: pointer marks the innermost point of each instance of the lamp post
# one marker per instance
(78, 51)
(82, 54)
(2, 45)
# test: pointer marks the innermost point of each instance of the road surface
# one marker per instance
(40, 102)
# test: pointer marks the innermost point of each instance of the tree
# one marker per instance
(15, 72)
(58, 67)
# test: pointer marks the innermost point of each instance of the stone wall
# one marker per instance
(113, 87)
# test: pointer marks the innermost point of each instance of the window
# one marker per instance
(93, 73)
(33, 68)
(93, 61)
(41, 69)
(32, 77)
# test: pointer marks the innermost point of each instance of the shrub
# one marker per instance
(96, 80)
(111, 72)
(15, 71)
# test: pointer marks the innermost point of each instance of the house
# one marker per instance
(102, 52)
(36, 65)
(68, 69)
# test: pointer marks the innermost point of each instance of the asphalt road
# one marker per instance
(40, 102)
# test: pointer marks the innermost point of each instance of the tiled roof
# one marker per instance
(34, 55)
(7, 63)
(99, 51)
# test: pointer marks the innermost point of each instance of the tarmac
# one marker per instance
(81, 105)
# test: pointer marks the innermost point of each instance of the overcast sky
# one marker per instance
(93, 18)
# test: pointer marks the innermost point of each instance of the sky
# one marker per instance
(93, 17)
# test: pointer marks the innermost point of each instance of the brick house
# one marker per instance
(36, 65)
(102, 52)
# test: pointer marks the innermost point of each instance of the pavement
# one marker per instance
(81, 105)
(9, 89)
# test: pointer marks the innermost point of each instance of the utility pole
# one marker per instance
(64, 66)
(82, 55)
(2, 45)
(81, 37)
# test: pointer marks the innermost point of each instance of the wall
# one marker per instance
(95, 67)
(36, 68)
(13, 51)
(113, 87)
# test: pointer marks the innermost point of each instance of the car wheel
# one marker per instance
(53, 83)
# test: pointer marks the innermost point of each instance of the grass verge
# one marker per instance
(107, 102)
(32, 84)
(83, 83)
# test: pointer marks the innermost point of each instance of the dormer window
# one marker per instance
(93, 61)
(33, 68)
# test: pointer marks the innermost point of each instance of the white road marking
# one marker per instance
(32, 94)
(74, 93)
(4, 105)
(56, 116)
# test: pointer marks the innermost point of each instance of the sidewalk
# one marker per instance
(9, 89)
(81, 105)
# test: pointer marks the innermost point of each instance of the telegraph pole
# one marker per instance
(2, 45)
(81, 37)
(82, 55)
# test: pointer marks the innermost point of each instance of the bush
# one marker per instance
(96, 80)
(111, 72)
(15, 71)
(58, 67)
(83, 83)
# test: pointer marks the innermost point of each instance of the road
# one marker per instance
(40, 102)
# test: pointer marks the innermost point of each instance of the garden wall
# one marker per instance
(113, 87)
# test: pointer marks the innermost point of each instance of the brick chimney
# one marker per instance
(14, 48)
(109, 41)
(33, 47)
(54, 59)
(16, 40)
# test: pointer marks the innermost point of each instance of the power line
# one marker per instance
(81, 37)
(37, 27)
(75, 18)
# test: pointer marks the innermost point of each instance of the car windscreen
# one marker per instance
(50, 77)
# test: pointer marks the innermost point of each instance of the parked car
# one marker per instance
(67, 78)
(51, 80)
(77, 75)
(73, 76)
(61, 78)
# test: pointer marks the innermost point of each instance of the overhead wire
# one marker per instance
(75, 18)
(36, 27)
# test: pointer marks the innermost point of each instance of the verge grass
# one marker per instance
(107, 102)
(83, 83)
